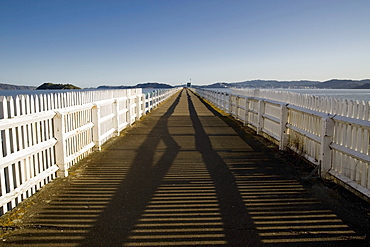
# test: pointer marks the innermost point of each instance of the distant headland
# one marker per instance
(141, 85)
(330, 84)
(4, 86)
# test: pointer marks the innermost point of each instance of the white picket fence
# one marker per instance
(42, 136)
(331, 133)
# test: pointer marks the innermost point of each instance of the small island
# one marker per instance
(141, 85)
(52, 86)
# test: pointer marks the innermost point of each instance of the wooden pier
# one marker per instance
(185, 175)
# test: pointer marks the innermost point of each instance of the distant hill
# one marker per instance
(363, 86)
(141, 85)
(342, 84)
(15, 87)
(265, 84)
(334, 84)
(52, 86)
(218, 85)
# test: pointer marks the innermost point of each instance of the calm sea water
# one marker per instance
(353, 94)
(31, 92)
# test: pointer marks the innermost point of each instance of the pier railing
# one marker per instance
(42, 136)
(332, 134)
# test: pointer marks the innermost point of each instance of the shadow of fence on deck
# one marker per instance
(120, 216)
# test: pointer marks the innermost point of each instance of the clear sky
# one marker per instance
(90, 43)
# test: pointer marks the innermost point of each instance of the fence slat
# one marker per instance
(44, 135)
(343, 150)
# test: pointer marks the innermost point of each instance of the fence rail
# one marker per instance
(333, 134)
(42, 136)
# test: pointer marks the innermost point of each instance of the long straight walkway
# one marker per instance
(182, 176)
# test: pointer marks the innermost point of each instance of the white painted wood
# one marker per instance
(339, 142)
(46, 134)
(25, 119)
(4, 199)
(116, 118)
(327, 132)
(3, 190)
(27, 152)
(304, 133)
(364, 191)
(96, 129)
(75, 155)
(261, 111)
(138, 106)
(283, 144)
(60, 147)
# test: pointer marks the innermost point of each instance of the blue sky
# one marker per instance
(91, 43)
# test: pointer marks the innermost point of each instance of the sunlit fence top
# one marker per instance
(358, 109)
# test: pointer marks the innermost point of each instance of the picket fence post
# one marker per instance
(283, 127)
(116, 117)
(261, 111)
(138, 107)
(60, 147)
(327, 132)
(246, 112)
(143, 103)
(228, 103)
(96, 128)
(129, 111)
